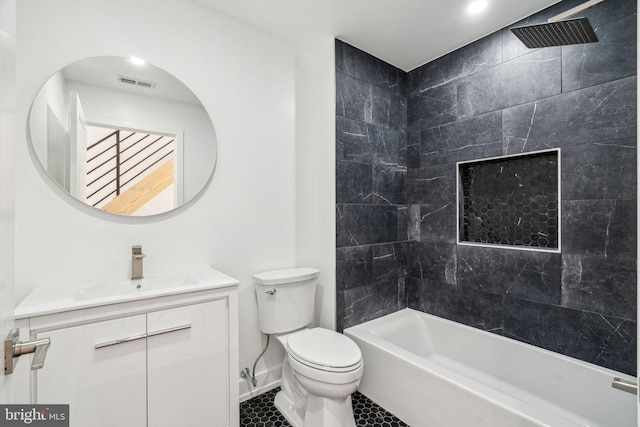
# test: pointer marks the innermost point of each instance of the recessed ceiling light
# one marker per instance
(477, 6)
(137, 61)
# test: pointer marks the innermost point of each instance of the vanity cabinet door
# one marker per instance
(188, 366)
(99, 369)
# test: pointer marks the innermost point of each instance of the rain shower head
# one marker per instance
(559, 31)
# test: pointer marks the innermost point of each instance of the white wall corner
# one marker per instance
(315, 173)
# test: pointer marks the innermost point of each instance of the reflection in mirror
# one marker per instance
(122, 136)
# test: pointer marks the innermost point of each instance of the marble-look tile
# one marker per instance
(600, 284)
(367, 143)
(585, 225)
(402, 224)
(587, 336)
(469, 139)
(403, 152)
(403, 300)
(413, 228)
(612, 57)
(623, 232)
(353, 99)
(366, 224)
(599, 113)
(340, 311)
(358, 100)
(389, 184)
(525, 79)
(388, 110)
(354, 183)
(388, 146)
(369, 302)
(438, 223)
(413, 150)
(414, 81)
(433, 107)
(465, 61)
(354, 267)
(339, 56)
(619, 351)
(529, 275)
(594, 123)
(609, 11)
(363, 66)
(467, 306)
(354, 140)
(599, 227)
(389, 262)
(605, 170)
(434, 262)
(433, 184)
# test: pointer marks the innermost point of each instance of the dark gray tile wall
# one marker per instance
(581, 99)
(371, 191)
(396, 204)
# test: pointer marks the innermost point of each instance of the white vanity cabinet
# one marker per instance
(104, 386)
(156, 361)
(187, 368)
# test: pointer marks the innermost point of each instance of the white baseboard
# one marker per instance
(267, 380)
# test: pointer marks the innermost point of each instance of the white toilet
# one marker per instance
(322, 368)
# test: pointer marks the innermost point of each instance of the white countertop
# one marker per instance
(92, 293)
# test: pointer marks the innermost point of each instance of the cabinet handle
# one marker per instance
(141, 336)
(121, 341)
(166, 331)
(624, 385)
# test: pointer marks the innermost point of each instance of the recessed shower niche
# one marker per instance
(510, 201)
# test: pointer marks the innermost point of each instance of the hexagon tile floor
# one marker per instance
(261, 412)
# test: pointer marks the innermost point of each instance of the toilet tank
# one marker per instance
(285, 299)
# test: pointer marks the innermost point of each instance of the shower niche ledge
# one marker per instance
(510, 202)
(138, 355)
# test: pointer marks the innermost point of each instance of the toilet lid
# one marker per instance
(324, 347)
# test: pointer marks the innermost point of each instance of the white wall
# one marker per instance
(246, 220)
(315, 226)
(7, 143)
(315, 159)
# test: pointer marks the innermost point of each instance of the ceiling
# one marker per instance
(405, 33)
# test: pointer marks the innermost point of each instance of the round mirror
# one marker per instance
(123, 136)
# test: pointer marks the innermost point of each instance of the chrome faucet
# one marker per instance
(136, 262)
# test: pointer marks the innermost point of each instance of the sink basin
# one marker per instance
(92, 293)
(120, 288)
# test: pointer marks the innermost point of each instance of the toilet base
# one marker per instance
(320, 412)
(287, 409)
(325, 412)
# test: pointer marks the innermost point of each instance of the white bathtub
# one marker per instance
(431, 372)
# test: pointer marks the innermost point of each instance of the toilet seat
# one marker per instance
(325, 350)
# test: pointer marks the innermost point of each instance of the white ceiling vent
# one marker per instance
(135, 82)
